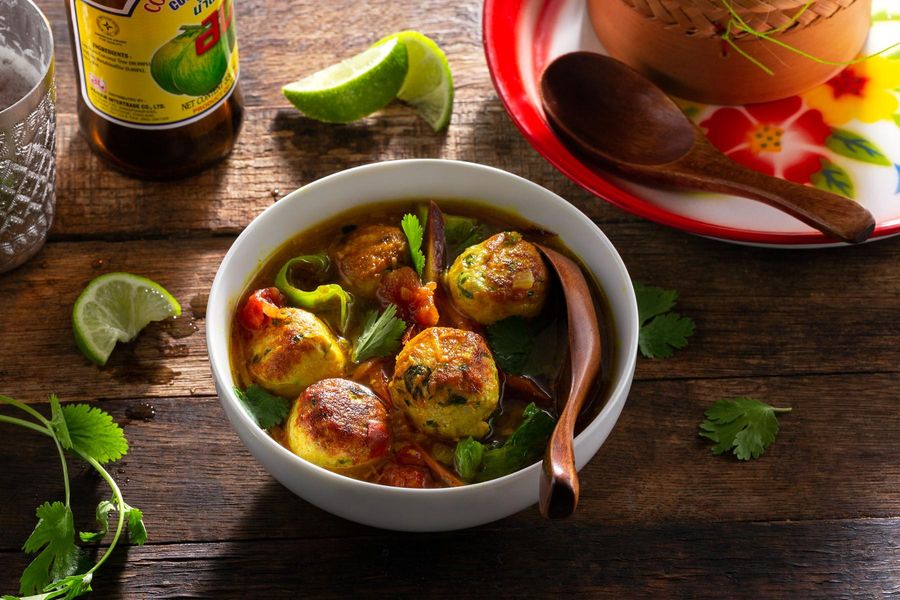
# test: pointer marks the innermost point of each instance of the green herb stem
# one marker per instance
(97, 439)
(26, 408)
(62, 460)
(27, 424)
(782, 410)
(120, 504)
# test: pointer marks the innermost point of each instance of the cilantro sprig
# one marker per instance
(90, 434)
(744, 426)
(415, 233)
(380, 335)
(266, 409)
(662, 332)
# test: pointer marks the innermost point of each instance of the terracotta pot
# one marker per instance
(681, 49)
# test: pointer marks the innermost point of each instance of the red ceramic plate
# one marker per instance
(843, 136)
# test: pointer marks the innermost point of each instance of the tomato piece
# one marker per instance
(253, 314)
(406, 476)
(415, 302)
(424, 311)
(410, 456)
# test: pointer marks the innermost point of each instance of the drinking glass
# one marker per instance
(27, 131)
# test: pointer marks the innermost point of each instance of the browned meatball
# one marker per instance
(369, 252)
(293, 350)
(501, 277)
(338, 424)
(446, 381)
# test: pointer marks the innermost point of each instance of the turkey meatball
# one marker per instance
(446, 382)
(369, 252)
(501, 277)
(292, 350)
(338, 424)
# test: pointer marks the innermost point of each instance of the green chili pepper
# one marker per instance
(324, 294)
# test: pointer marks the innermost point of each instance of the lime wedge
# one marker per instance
(353, 88)
(428, 85)
(114, 308)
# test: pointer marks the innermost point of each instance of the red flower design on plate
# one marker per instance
(781, 138)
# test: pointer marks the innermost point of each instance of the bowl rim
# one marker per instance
(626, 349)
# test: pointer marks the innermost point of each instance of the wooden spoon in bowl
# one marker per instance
(559, 477)
(628, 125)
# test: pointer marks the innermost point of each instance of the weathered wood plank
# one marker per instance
(859, 559)
(195, 481)
(789, 317)
(279, 151)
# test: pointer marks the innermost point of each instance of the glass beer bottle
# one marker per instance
(158, 82)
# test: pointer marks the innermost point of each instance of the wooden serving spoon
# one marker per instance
(629, 126)
(559, 477)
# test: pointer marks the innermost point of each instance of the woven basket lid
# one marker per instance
(707, 18)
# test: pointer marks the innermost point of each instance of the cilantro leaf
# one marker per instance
(653, 301)
(67, 588)
(662, 332)
(665, 334)
(137, 532)
(414, 231)
(526, 346)
(58, 423)
(522, 448)
(54, 538)
(94, 433)
(380, 335)
(475, 461)
(266, 409)
(467, 457)
(743, 425)
(511, 341)
(102, 516)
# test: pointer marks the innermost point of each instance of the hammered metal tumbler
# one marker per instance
(27, 132)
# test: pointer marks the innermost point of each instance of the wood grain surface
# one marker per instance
(817, 516)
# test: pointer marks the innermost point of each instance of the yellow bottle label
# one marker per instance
(155, 64)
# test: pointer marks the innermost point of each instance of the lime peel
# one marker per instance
(428, 86)
(407, 65)
(353, 88)
(115, 307)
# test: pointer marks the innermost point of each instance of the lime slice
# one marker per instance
(114, 308)
(428, 85)
(352, 88)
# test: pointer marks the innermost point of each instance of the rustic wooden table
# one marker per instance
(817, 515)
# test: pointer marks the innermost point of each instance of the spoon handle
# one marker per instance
(559, 477)
(833, 215)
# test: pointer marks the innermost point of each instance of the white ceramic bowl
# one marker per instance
(399, 508)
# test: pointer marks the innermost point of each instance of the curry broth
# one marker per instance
(326, 236)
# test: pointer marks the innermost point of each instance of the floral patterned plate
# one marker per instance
(843, 136)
